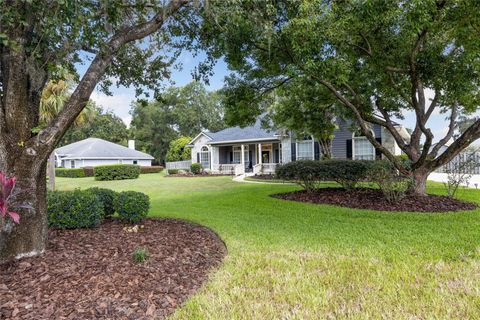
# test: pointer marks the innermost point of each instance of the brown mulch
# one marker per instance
(373, 199)
(90, 273)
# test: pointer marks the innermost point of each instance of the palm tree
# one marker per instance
(54, 96)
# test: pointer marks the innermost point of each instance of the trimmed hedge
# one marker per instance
(107, 198)
(172, 171)
(308, 173)
(132, 206)
(196, 168)
(70, 173)
(117, 172)
(152, 169)
(73, 209)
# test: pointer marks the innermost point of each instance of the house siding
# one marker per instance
(80, 163)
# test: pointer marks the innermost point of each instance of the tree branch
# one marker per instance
(449, 135)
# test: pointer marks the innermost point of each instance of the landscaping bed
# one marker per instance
(373, 199)
(91, 273)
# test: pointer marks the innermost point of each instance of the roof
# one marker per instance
(94, 148)
(254, 132)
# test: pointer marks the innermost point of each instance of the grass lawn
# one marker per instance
(290, 260)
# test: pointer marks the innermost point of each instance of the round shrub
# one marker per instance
(107, 198)
(132, 206)
(196, 168)
(73, 209)
(117, 172)
(70, 173)
(172, 171)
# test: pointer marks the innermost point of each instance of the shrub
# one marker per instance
(132, 206)
(393, 185)
(73, 209)
(89, 171)
(152, 169)
(172, 171)
(117, 172)
(196, 168)
(70, 173)
(140, 255)
(308, 173)
(107, 198)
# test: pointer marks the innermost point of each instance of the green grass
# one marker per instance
(289, 260)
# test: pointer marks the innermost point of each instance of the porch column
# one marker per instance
(242, 156)
(260, 153)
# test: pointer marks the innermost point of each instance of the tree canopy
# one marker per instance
(178, 150)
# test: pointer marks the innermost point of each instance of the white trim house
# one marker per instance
(256, 149)
(93, 152)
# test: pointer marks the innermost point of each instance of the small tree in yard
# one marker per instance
(378, 59)
(38, 40)
(178, 150)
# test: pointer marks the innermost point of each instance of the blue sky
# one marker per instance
(122, 97)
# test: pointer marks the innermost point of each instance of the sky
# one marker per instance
(122, 98)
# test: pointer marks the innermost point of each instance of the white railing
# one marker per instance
(239, 169)
(465, 162)
(264, 168)
(225, 168)
(180, 165)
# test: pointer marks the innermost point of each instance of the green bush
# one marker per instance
(132, 206)
(308, 173)
(196, 168)
(393, 185)
(107, 198)
(152, 169)
(73, 209)
(70, 173)
(117, 172)
(172, 171)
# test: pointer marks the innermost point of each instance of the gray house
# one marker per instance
(259, 150)
(93, 152)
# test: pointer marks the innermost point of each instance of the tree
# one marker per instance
(178, 151)
(177, 112)
(377, 59)
(104, 125)
(37, 39)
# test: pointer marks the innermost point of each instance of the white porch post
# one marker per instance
(242, 156)
(260, 153)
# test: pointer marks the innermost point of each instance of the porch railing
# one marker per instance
(265, 168)
(180, 165)
(225, 168)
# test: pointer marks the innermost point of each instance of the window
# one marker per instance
(305, 149)
(72, 163)
(237, 154)
(363, 149)
(135, 161)
(205, 157)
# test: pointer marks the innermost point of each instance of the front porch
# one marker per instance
(241, 158)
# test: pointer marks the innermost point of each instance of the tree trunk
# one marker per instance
(326, 148)
(30, 236)
(51, 171)
(419, 183)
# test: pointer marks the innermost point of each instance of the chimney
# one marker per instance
(131, 144)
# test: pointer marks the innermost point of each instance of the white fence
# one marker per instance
(466, 162)
(180, 165)
(265, 168)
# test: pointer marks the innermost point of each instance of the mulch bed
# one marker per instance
(90, 273)
(373, 199)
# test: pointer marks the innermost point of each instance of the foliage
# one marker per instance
(117, 172)
(70, 172)
(308, 173)
(103, 125)
(460, 170)
(132, 206)
(7, 191)
(196, 168)
(151, 169)
(374, 60)
(178, 112)
(178, 150)
(74, 209)
(140, 255)
(107, 198)
(172, 171)
(393, 185)
(89, 171)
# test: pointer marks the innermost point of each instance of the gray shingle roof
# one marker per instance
(239, 134)
(94, 148)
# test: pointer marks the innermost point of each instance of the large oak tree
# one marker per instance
(115, 40)
(378, 59)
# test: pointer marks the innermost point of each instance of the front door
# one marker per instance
(266, 156)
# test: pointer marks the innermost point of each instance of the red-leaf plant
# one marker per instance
(7, 187)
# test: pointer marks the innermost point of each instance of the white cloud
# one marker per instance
(119, 103)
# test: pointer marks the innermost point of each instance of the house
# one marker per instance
(259, 150)
(93, 152)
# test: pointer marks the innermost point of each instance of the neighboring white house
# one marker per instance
(93, 152)
(256, 149)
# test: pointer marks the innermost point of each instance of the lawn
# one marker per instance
(290, 260)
